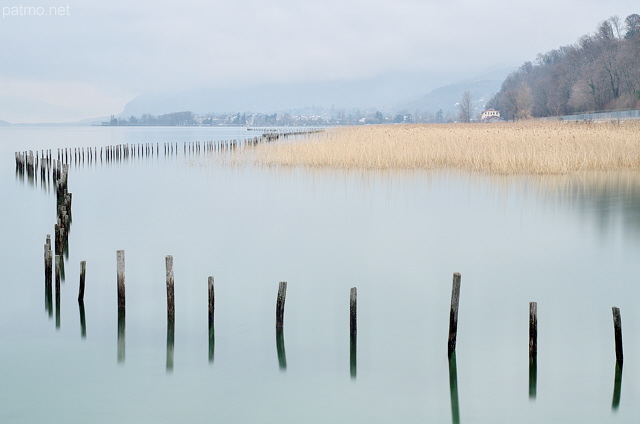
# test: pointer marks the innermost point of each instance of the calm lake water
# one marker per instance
(571, 244)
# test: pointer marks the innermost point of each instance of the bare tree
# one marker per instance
(466, 107)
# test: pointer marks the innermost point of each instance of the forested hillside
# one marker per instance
(601, 71)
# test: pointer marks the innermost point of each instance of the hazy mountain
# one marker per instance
(387, 93)
(21, 110)
(374, 93)
(4, 123)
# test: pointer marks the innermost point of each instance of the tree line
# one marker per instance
(185, 118)
(600, 72)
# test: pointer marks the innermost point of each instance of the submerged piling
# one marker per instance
(453, 314)
(282, 294)
(83, 320)
(83, 270)
(280, 349)
(170, 344)
(617, 329)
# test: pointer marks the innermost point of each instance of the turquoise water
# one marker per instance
(571, 244)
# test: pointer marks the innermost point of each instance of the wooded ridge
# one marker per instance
(601, 71)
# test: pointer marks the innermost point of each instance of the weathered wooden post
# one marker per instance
(57, 263)
(83, 271)
(212, 334)
(211, 302)
(282, 294)
(353, 316)
(48, 263)
(120, 262)
(533, 349)
(353, 331)
(533, 329)
(617, 329)
(170, 300)
(453, 315)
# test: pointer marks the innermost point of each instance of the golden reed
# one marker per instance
(526, 147)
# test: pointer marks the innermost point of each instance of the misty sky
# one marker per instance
(94, 56)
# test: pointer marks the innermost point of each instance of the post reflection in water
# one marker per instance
(48, 300)
(83, 322)
(57, 309)
(212, 341)
(121, 324)
(617, 387)
(353, 344)
(282, 355)
(533, 376)
(453, 388)
(171, 326)
(62, 275)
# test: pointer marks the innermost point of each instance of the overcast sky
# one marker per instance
(93, 56)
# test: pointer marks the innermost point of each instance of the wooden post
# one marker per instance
(211, 302)
(617, 329)
(83, 270)
(57, 273)
(533, 329)
(282, 294)
(212, 334)
(170, 301)
(120, 261)
(533, 349)
(453, 315)
(353, 318)
(47, 263)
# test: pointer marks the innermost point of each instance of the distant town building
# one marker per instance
(490, 115)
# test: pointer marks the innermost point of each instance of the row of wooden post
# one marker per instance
(353, 326)
(281, 297)
(280, 307)
(45, 160)
(533, 325)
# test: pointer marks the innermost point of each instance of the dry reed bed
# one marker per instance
(530, 147)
